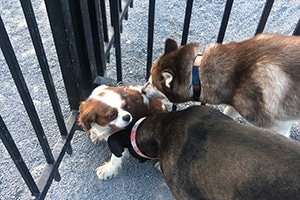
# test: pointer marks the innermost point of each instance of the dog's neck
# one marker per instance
(134, 143)
(195, 78)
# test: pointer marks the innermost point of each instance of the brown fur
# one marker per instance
(99, 112)
(259, 77)
(95, 111)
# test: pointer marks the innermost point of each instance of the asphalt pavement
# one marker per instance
(78, 171)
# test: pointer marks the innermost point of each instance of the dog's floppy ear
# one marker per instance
(167, 77)
(170, 45)
(86, 116)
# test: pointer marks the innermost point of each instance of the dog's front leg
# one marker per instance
(110, 169)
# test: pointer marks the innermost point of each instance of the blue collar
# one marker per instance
(196, 83)
(195, 76)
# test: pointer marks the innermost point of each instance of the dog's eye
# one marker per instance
(112, 116)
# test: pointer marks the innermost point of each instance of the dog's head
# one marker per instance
(110, 109)
(171, 74)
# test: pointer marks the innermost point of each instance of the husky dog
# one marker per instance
(258, 78)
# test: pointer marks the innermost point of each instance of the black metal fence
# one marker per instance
(84, 31)
(83, 37)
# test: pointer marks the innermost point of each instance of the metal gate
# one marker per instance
(78, 28)
(83, 33)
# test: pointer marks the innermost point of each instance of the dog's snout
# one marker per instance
(127, 118)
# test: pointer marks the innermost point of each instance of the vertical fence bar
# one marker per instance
(120, 5)
(264, 16)
(66, 50)
(17, 75)
(224, 22)
(151, 14)
(114, 7)
(17, 158)
(297, 29)
(88, 37)
(104, 20)
(39, 49)
(187, 20)
(99, 37)
(120, 10)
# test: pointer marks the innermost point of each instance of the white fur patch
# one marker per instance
(151, 91)
(110, 98)
(231, 112)
(145, 99)
(262, 36)
(168, 78)
(274, 83)
(98, 90)
(111, 168)
(282, 127)
(136, 88)
(99, 133)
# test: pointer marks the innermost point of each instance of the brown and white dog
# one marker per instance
(204, 154)
(110, 109)
(259, 78)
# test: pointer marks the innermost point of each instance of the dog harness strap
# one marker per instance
(133, 141)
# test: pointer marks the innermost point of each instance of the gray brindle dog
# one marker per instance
(204, 154)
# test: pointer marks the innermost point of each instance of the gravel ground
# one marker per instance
(135, 180)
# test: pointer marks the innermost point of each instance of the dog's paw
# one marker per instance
(97, 136)
(94, 137)
(110, 169)
(94, 140)
(157, 166)
(126, 153)
(106, 171)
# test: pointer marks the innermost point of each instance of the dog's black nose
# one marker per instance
(126, 118)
